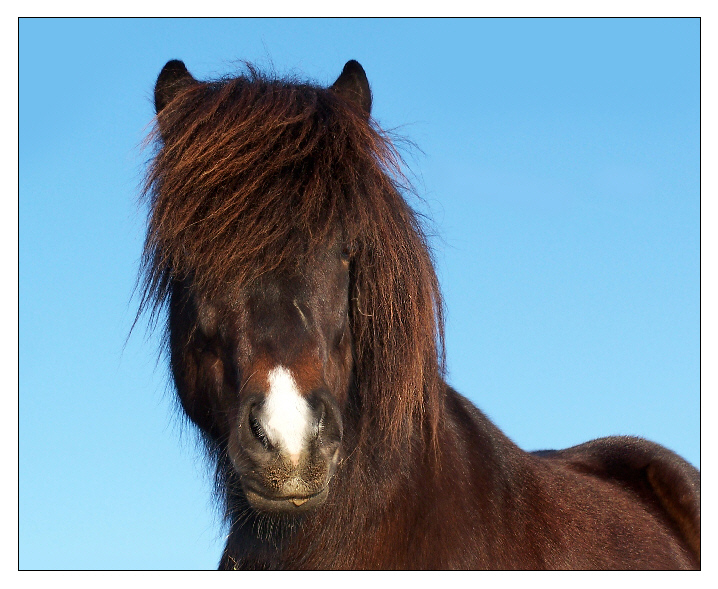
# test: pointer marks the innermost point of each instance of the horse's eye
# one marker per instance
(207, 320)
(346, 254)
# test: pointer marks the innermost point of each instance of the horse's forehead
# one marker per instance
(295, 274)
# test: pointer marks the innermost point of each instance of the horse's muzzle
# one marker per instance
(287, 471)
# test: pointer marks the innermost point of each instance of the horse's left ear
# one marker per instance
(173, 77)
(353, 85)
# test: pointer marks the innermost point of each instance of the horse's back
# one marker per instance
(665, 483)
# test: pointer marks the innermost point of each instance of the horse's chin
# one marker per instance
(294, 505)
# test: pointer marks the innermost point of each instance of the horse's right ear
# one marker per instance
(173, 78)
(353, 85)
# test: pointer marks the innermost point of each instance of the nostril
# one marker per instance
(329, 422)
(322, 418)
(258, 431)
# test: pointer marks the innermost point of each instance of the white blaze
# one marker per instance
(286, 415)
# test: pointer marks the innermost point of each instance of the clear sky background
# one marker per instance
(558, 162)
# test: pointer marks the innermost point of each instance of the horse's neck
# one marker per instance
(419, 496)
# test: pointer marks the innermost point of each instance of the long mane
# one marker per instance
(255, 175)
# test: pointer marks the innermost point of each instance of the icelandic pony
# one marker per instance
(305, 334)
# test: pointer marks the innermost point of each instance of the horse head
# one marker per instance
(263, 365)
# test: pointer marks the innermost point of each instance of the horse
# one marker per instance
(304, 329)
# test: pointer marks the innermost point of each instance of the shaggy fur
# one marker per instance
(256, 178)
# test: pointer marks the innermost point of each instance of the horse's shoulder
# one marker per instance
(656, 472)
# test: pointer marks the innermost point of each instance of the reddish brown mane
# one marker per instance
(254, 174)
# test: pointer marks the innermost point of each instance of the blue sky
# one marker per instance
(557, 159)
